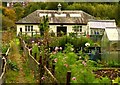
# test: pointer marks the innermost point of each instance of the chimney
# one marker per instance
(59, 7)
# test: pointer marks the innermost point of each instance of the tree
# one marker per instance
(19, 12)
(7, 24)
(44, 25)
(31, 7)
(118, 13)
(18, 4)
(10, 13)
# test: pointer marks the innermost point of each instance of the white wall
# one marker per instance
(52, 27)
(69, 28)
(35, 27)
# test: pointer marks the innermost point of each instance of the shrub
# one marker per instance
(81, 70)
(4, 48)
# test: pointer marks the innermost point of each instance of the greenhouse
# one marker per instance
(110, 46)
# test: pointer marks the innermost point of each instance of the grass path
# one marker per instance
(18, 58)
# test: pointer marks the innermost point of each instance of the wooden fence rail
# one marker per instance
(3, 65)
(36, 66)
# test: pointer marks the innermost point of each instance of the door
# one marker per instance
(61, 30)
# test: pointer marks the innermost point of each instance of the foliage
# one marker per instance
(13, 66)
(11, 76)
(8, 19)
(17, 4)
(81, 69)
(116, 81)
(76, 42)
(4, 48)
(53, 5)
(19, 12)
(28, 73)
(44, 25)
(26, 37)
(31, 7)
(10, 13)
(7, 24)
(117, 13)
(63, 62)
(35, 50)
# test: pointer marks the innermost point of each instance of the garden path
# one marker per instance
(17, 57)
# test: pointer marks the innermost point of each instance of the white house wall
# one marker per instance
(69, 28)
(35, 28)
(52, 28)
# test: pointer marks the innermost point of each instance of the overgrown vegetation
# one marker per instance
(80, 66)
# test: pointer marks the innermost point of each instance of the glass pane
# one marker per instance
(28, 28)
(80, 26)
(25, 28)
(80, 29)
(31, 28)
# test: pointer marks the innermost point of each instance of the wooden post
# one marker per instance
(53, 67)
(68, 77)
(40, 68)
(30, 52)
(47, 63)
(32, 34)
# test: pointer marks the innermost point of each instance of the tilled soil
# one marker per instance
(111, 73)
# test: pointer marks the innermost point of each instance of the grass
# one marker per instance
(11, 76)
(28, 75)
(23, 75)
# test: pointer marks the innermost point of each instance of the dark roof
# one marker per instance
(34, 18)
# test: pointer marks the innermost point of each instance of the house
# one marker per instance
(58, 21)
(97, 27)
(110, 45)
(10, 4)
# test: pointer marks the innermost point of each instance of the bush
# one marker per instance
(76, 42)
(81, 70)
(4, 48)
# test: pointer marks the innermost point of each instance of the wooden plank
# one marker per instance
(50, 74)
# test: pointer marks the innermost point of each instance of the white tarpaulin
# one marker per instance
(112, 34)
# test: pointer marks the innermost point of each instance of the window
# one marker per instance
(97, 33)
(78, 29)
(91, 32)
(25, 28)
(28, 28)
(31, 28)
(94, 32)
(20, 29)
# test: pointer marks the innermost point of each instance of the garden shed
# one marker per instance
(110, 45)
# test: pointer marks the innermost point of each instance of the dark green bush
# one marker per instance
(76, 42)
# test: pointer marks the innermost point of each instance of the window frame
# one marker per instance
(28, 28)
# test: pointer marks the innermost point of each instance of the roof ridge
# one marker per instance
(102, 20)
(61, 10)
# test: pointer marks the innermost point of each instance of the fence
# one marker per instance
(40, 71)
(3, 65)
